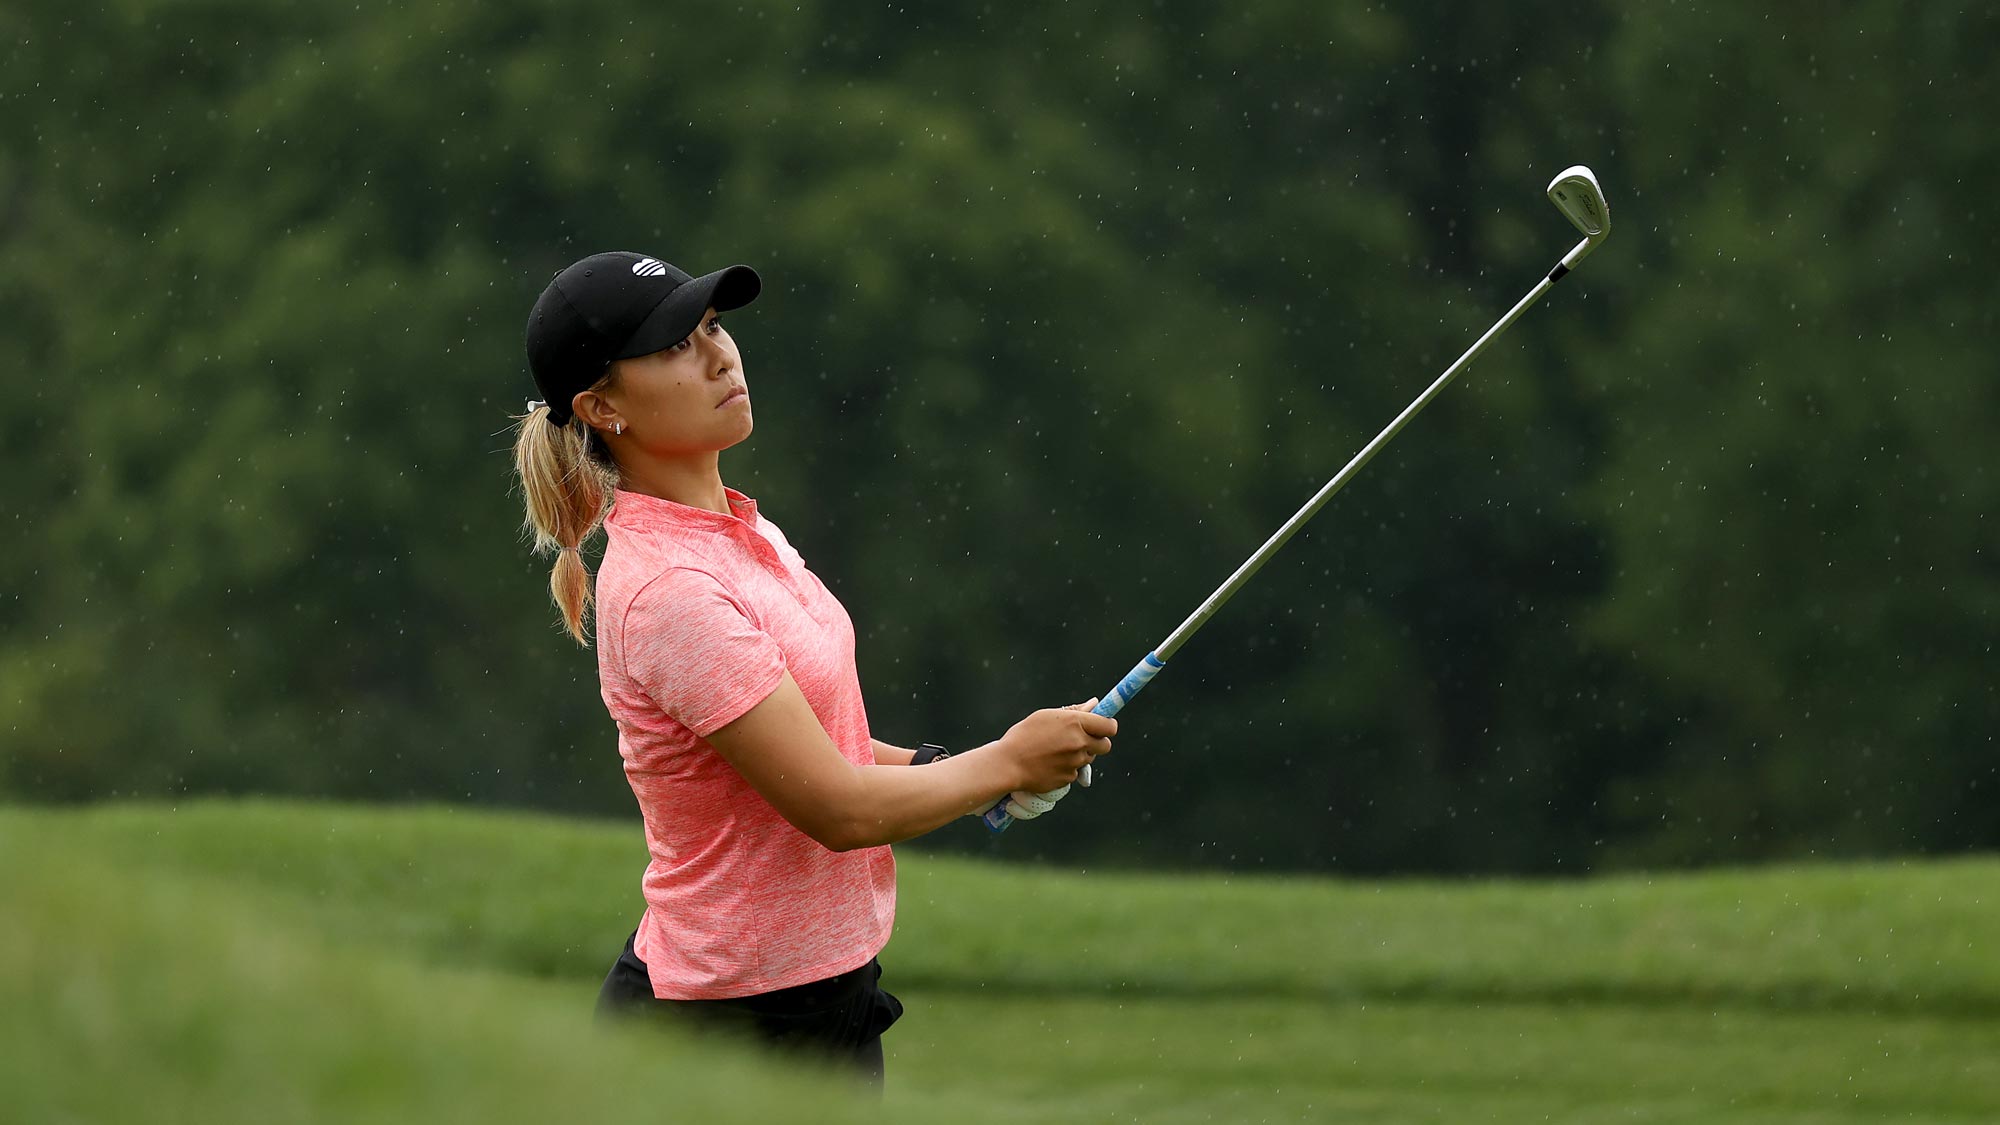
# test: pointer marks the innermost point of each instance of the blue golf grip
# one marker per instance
(1141, 674)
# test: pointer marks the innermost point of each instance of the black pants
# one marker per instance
(840, 1019)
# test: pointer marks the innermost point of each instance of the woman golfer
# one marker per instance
(729, 671)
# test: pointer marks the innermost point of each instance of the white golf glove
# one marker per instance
(1023, 805)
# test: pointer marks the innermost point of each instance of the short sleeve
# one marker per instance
(694, 651)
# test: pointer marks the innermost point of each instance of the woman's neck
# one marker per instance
(694, 480)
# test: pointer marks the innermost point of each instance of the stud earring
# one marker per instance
(618, 428)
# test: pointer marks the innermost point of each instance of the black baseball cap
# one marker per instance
(616, 306)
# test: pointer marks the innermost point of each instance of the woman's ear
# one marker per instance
(594, 410)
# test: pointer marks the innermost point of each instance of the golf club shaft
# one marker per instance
(1142, 673)
(1256, 561)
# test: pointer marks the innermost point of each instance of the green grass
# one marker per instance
(262, 961)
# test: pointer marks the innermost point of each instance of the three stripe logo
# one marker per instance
(649, 267)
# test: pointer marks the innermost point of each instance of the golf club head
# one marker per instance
(1575, 193)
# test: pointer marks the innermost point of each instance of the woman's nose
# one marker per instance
(718, 359)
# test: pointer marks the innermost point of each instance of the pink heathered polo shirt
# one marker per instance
(699, 615)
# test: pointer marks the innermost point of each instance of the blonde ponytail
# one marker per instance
(567, 477)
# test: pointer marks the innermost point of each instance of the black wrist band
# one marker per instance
(929, 752)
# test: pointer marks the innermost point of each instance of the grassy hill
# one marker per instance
(263, 961)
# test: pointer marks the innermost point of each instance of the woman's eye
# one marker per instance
(715, 326)
(680, 347)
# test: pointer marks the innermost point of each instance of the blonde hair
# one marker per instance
(567, 477)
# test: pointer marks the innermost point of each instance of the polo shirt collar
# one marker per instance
(640, 512)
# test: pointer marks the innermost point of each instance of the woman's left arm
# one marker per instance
(887, 755)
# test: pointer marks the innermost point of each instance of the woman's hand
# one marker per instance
(1051, 745)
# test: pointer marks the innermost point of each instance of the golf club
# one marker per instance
(1576, 193)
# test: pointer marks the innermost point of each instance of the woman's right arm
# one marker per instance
(782, 751)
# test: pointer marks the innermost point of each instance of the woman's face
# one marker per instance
(689, 398)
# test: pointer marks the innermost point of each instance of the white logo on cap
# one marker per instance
(649, 267)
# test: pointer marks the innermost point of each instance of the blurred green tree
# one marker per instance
(1067, 308)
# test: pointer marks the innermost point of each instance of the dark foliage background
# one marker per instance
(1067, 307)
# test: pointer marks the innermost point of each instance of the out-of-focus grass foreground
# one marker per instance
(267, 962)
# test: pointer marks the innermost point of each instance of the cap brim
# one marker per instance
(676, 317)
